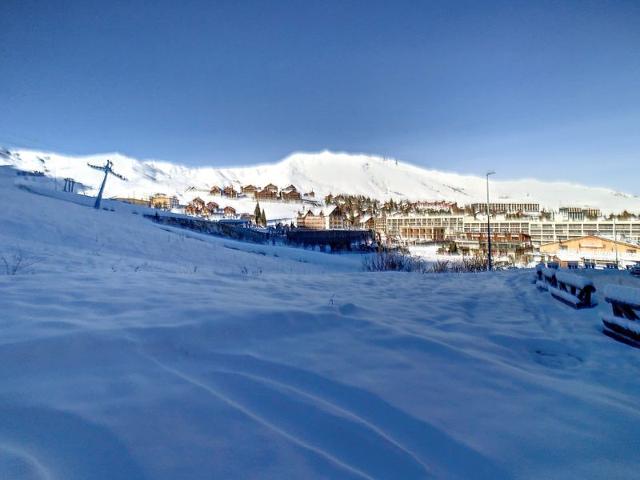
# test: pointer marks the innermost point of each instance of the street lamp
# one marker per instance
(489, 224)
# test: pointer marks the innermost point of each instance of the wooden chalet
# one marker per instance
(337, 218)
(229, 191)
(311, 220)
(215, 190)
(290, 196)
(249, 190)
(267, 194)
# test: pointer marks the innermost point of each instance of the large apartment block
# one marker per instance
(434, 228)
(506, 207)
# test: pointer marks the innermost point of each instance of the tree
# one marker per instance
(257, 214)
(264, 218)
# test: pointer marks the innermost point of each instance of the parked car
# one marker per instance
(635, 270)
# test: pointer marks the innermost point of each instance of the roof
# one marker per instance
(597, 237)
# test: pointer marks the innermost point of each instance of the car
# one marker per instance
(635, 270)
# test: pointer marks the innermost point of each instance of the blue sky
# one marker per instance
(544, 89)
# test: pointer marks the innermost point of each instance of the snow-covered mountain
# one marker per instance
(324, 172)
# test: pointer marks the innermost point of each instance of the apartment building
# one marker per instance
(506, 207)
(433, 228)
(423, 228)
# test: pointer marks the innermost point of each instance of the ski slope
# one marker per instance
(368, 175)
(128, 351)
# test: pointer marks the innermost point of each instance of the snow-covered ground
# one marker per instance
(323, 172)
(129, 351)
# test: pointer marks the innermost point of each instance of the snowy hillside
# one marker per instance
(324, 173)
(132, 351)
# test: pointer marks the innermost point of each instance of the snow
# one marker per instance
(624, 294)
(130, 351)
(632, 326)
(577, 281)
(369, 175)
(430, 253)
(542, 285)
(564, 296)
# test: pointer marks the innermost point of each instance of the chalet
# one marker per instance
(215, 190)
(336, 218)
(266, 194)
(229, 211)
(229, 191)
(271, 188)
(290, 196)
(162, 201)
(591, 251)
(367, 222)
(196, 207)
(312, 221)
(248, 217)
(249, 190)
(212, 207)
(289, 189)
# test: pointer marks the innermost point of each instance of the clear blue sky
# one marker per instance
(545, 89)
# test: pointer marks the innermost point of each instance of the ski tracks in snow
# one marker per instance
(356, 431)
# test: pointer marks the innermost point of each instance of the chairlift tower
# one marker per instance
(106, 168)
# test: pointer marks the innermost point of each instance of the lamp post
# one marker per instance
(489, 265)
(615, 241)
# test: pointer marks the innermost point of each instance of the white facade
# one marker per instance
(426, 228)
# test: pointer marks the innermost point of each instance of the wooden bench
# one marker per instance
(624, 324)
(574, 290)
(548, 278)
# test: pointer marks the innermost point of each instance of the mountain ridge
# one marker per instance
(322, 172)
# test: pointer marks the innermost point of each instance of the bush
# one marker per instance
(441, 266)
(384, 261)
(400, 261)
(17, 262)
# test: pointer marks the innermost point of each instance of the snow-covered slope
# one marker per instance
(128, 351)
(324, 172)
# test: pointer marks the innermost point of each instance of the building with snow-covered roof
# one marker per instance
(249, 190)
(329, 218)
(592, 250)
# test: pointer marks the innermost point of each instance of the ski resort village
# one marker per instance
(319, 240)
(600, 229)
(280, 321)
